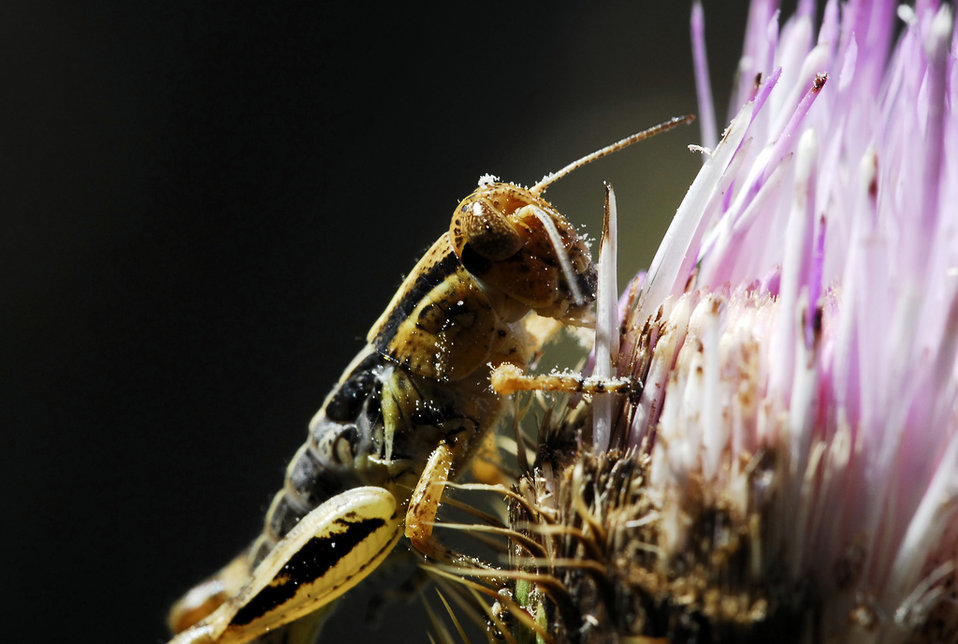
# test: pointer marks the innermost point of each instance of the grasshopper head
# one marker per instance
(523, 253)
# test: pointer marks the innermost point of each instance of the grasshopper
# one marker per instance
(407, 414)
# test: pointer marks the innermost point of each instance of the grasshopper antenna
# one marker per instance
(552, 177)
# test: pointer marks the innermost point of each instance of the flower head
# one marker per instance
(790, 465)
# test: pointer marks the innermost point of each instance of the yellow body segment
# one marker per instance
(439, 324)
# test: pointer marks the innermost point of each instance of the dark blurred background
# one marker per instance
(206, 204)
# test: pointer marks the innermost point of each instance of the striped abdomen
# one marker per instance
(332, 458)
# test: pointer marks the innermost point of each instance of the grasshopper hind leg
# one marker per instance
(329, 551)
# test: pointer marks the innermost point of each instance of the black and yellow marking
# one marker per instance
(312, 563)
(433, 268)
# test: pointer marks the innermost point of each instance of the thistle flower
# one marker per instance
(789, 468)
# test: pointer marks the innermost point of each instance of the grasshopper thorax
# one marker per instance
(522, 252)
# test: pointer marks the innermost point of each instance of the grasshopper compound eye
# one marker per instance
(483, 222)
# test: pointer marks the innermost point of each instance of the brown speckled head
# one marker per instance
(522, 251)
